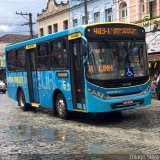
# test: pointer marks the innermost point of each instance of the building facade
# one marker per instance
(53, 19)
(57, 17)
(98, 11)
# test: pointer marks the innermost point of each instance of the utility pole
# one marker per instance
(86, 12)
(30, 23)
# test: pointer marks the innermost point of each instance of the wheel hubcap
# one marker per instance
(21, 101)
(61, 107)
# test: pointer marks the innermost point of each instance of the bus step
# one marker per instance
(80, 110)
(36, 105)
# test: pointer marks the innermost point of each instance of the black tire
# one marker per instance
(61, 107)
(4, 91)
(22, 101)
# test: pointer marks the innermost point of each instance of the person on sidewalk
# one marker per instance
(158, 86)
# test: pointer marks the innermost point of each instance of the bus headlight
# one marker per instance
(146, 90)
(98, 94)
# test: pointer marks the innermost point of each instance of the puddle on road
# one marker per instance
(50, 134)
(103, 148)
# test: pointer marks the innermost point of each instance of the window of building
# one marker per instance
(108, 15)
(142, 6)
(83, 20)
(11, 60)
(43, 60)
(152, 9)
(41, 32)
(65, 24)
(58, 54)
(96, 17)
(55, 27)
(124, 12)
(75, 23)
(50, 29)
(20, 59)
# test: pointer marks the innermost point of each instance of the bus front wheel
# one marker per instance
(61, 107)
(22, 100)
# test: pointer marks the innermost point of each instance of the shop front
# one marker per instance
(153, 46)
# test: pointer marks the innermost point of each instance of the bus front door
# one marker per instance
(77, 74)
(32, 76)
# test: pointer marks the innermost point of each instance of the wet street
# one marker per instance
(40, 135)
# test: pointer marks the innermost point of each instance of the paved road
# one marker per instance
(40, 135)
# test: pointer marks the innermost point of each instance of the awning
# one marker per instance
(154, 57)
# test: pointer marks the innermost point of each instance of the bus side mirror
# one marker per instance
(84, 50)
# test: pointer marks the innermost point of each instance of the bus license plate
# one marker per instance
(129, 102)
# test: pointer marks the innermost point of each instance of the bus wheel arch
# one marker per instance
(21, 99)
(60, 105)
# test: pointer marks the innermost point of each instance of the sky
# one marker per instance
(12, 23)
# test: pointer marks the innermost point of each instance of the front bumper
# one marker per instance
(95, 104)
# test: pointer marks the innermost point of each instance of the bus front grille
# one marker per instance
(125, 94)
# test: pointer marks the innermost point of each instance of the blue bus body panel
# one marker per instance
(96, 104)
(35, 86)
(15, 80)
(48, 82)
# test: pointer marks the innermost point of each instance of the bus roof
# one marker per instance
(45, 38)
(60, 34)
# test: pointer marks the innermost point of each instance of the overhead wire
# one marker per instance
(36, 7)
(10, 18)
(32, 8)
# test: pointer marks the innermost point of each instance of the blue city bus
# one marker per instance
(93, 68)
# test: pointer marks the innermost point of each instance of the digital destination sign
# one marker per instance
(115, 30)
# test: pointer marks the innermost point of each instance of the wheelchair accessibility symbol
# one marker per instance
(129, 72)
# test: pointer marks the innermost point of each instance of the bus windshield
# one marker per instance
(116, 60)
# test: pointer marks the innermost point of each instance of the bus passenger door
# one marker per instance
(77, 74)
(32, 76)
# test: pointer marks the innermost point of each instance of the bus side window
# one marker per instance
(11, 60)
(58, 54)
(52, 55)
(20, 59)
(43, 60)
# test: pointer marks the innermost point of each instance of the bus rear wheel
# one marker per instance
(22, 101)
(61, 107)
